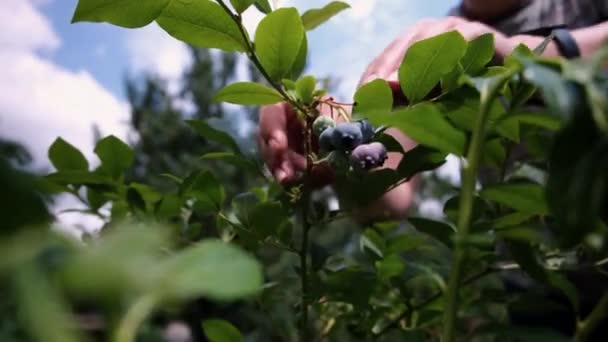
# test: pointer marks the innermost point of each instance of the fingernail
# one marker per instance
(369, 78)
(280, 175)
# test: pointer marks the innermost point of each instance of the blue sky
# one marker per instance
(63, 77)
(59, 79)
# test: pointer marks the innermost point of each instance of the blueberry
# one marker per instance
(326, 138)
(367, 130)
(347, 136)
(368, 156)
(321, 124)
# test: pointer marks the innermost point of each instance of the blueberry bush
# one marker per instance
(519, 254)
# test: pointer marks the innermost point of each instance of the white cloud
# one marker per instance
(41, 100)
(23, 27)
(153, 50)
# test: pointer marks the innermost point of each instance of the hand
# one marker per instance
(281, 144)
(280, 141)
(386, 66)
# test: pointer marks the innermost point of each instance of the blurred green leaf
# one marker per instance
(577, 185)
(169, 206)
(278, 40)
(267, 218)
(439, 230)
(232, 159)
(206, 188)
(42, 311)
(217, 330)
(213, 269)
(263, 6)
(315, 17)
(116, 156)
(425, 124)
(65, 156)
(241, 5)
(79, 177)
(494, 154)
(126, 13)
(526, 198)
(426, 61)
(391, 266)
(203, 24)
(248, 93)
(372, 241)
(375, 95)
(206, 131)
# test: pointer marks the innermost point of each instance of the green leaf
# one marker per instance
(217, 330)
(419, 159)
(315, 17)
(526, 198)
(374, 96)
(205, 187)
(116, 156)
(390, 267)
(206, 131)
(243, 205)
(248, 93)
(425, 124)
(556, 93)
(126, 13)
(439, 230)
(494, 154)
(371, 240)
(300, 63)
(212, 269)
(577, 186)
(305, 87)
(267, 218)
(41, 307)
(65, 156)
(169, 206)
(202, 24)
(426, 61)
(480, 52)
(241, 5)
(79, 177)
(278, 40)
(462, 107)
(263, 6)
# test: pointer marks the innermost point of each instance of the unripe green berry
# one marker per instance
(338, 161)
(322, 123)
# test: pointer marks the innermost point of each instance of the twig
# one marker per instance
(254, 58)
(438, 294)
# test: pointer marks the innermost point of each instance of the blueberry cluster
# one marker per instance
(349, 142)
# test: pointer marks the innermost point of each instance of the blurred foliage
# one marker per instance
(195, 232)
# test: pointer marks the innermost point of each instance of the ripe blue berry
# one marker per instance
(367, 130)
(368, 156)
(321, 124)
(347, 136)
(326, 138)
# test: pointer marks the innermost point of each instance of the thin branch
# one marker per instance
(255, 60)
(596, 317)
(438, 294)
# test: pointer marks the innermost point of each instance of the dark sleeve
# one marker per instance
(456, 11)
